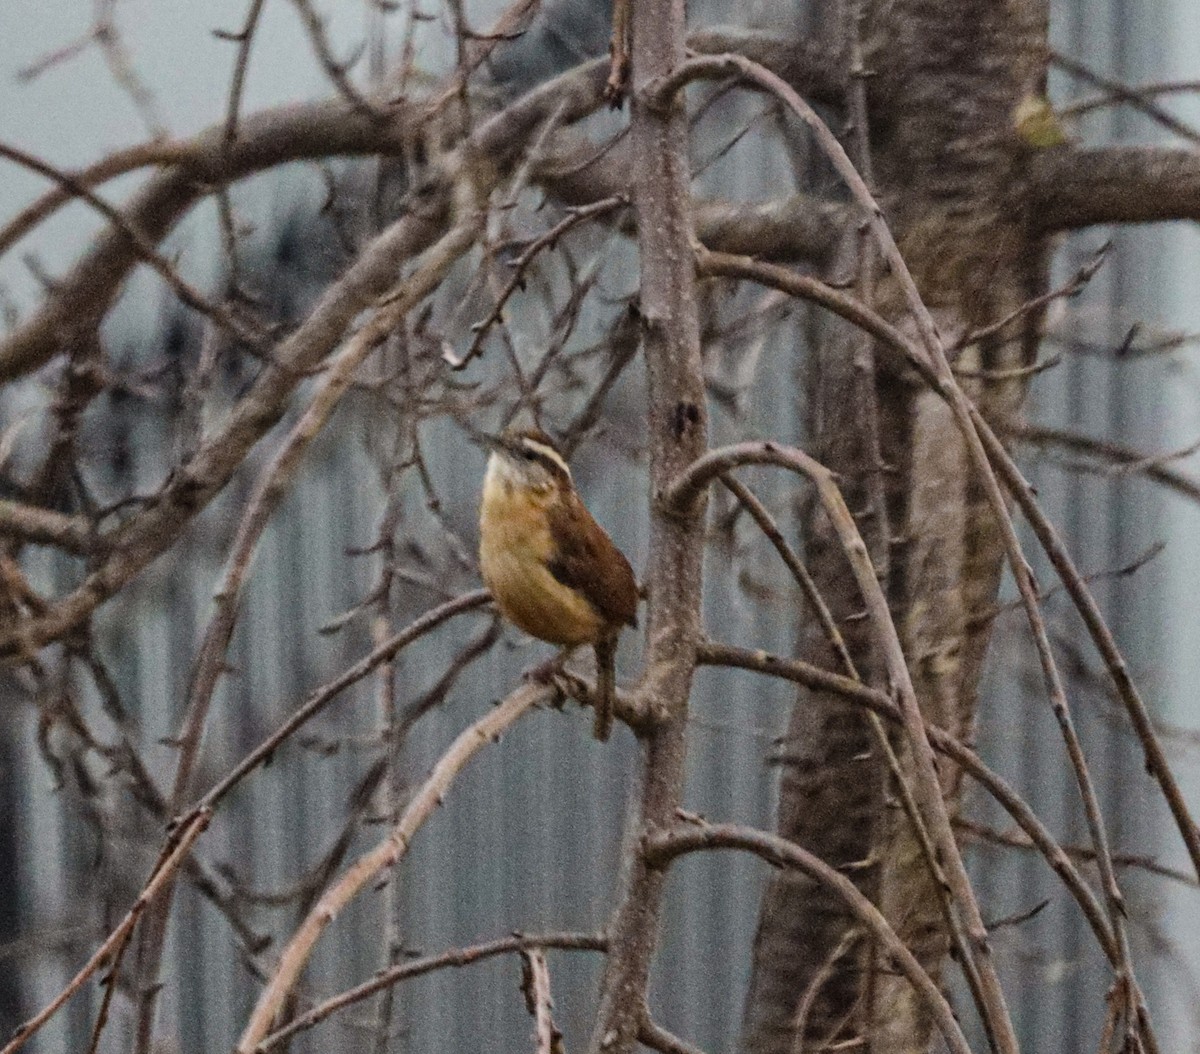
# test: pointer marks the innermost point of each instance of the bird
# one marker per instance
(552, 570)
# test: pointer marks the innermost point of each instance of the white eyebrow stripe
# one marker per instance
(547, 452)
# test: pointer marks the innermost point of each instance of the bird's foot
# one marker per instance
(545, 672)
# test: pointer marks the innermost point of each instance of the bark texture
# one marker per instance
(952, 173)
(677, 427)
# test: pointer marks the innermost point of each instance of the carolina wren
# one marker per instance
(552, 569)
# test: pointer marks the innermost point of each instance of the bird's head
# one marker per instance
(528, 458)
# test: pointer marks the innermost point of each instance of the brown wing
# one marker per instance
(588, 561)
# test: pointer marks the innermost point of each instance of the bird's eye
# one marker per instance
(528, 455)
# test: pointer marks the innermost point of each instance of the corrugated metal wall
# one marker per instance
(529, 837)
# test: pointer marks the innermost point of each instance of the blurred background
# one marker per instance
(529, 837)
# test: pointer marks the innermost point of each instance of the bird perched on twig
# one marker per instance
(552, 569)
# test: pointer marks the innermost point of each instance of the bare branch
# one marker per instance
(82, 297)
(142, 248)
(1128, 458)
(1073, 286)
(314, 26)
(132, 158)
(31, 523)
(677, 414)
(814, 677)
(661, 847)
(454, 959)
(535, 986)
(383, 856)
(324, 695)
(1071, 188)
(808, 63)
(798, 227)
(658, 1038)
(1112, 97)
(1126, 94)
(272, 487)
(546, 240)
(982, 833)
(176, 849)
(1156, 758)
(988, 457)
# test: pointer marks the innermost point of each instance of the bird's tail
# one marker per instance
(606, 687)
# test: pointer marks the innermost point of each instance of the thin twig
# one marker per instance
(156, 152)
(454, 959)
(535, 986)
(186, 292)
(799, 1022)
(1130, 459)
(547, 240)
(1070, 288)
(1079, 852)
(237, 83)
(327, 693)
(314, 26)
(1135, 98)
(1113, 98)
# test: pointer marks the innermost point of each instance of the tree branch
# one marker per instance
(177, 848)
(135, 544)
(272, 486)
(677, 435)
(83, 296)
(383, 856)
(799, 672)
(197, 167)
(1071, 188)
(798, 227)
(661, 847)
(658, 1038)
(1130, 459)
(808, 63)
(456, 958)
(32, 523)
(319, 699)
(540, 1003)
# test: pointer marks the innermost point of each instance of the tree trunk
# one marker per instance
(950, 171)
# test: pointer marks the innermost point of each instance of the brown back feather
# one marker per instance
(580, 556)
